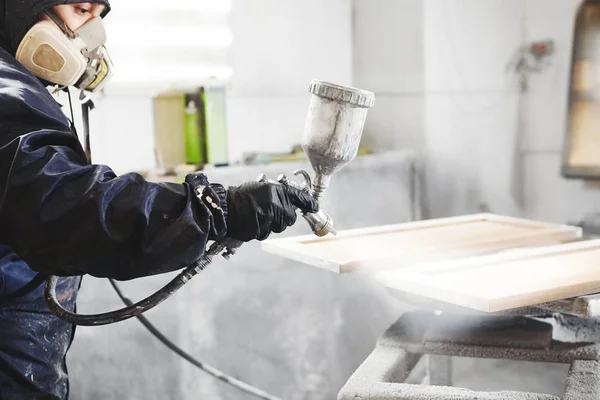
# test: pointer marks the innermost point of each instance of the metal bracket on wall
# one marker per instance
(532, 57)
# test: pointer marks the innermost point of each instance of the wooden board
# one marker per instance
(581, 157)
(391, 246)
(583, 121)
(509, 280)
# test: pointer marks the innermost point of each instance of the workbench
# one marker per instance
(413, 358)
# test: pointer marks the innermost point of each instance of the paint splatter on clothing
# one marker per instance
(34, 342)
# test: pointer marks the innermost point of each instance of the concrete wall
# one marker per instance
(444, 87)
(547, 195)
(279, 47)
(439, 69)
(388, 40)
(471, 104)
(505, 145)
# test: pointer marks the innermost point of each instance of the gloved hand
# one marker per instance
(256, 209)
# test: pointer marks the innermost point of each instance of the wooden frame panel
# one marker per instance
(509, 280)
(392, 246)
(580, 159)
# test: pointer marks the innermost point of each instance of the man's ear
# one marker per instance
(42, 17)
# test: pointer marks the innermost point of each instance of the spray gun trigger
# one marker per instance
(307, 179)
(320, 223)
(284, 180)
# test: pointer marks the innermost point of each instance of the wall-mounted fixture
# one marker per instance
(581, 155)
(531, 57)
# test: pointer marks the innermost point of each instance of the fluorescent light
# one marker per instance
(182, 36)
(204, 6)
(170, 73)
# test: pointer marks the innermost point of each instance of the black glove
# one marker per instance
(255, 209)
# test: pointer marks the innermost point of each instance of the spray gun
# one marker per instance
(334, 126)
(332, 134)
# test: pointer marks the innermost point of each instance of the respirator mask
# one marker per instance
(57, 54)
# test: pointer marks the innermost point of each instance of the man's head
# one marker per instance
(68, 35)
(77, 14)
(18, 16)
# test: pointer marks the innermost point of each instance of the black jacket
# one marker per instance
(62, 215)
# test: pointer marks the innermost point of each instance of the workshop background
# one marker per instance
(460, 125)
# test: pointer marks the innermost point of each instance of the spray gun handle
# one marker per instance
(320, 222)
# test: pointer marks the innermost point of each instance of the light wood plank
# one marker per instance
(391, 246)
(505, 281)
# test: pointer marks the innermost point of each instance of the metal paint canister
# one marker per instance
(333, 129)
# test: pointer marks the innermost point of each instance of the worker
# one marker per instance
(62, 215)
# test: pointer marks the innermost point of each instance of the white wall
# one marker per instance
(440, 72)
(549, 196)
(476, 119)
(388, 59)
(279, 47)
(471, 104)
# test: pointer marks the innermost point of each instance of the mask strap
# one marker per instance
(71, 107)
(63, 27)
(86, 106)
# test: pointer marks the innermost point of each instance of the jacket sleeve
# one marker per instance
(64, 216)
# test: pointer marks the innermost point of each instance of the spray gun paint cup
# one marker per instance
(333, 130)
(334, 126)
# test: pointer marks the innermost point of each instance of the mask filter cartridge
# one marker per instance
(67, 58)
